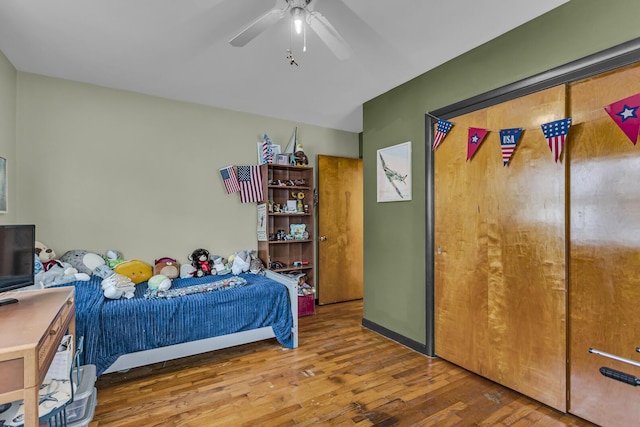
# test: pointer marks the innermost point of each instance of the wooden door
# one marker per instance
(340, 250)
(604, 263)
(500, 286)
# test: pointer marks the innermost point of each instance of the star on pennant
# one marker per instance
(626, 117)
(475, 138)
(628, 112)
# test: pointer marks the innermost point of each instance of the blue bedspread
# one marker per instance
(115, 327)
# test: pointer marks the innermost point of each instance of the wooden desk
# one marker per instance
(30, 332)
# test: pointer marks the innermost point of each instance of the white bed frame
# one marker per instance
(162, 354)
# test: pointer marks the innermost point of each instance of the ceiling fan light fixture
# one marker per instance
(297, 15)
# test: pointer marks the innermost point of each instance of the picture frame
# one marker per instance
(3, 185)
(393, 171)
(282, 159)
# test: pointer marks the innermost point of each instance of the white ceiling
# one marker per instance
(179, 49)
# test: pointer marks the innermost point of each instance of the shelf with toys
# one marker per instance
(286, 244)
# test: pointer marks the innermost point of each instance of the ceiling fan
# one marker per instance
(301, 11)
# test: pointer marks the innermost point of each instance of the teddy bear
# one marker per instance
(54, 272)
(167, 266)
(202, 263)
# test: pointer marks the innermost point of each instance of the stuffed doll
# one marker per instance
(87, 262)
(201, 262)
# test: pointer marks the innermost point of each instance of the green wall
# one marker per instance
(394, 233)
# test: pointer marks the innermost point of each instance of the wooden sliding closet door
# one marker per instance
(604, 264)
(500, 278)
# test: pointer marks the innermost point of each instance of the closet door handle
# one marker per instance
(323, 238)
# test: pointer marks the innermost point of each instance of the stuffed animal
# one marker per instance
(256, 266)
(203, 265)
(138, 271)
(167, 266)
(44, 253)
(159, 282)
(187, 271)
(241, 262)
(220, 265)
(87, 262)
(54, 272)
(113, 257)
(117, 286)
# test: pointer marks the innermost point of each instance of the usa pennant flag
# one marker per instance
(250, 181)
(625, 114)
(442, 129)
(230, 179)
(556, 134)
(508, 141)
(476, 136)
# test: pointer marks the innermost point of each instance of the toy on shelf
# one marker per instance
(298, 196)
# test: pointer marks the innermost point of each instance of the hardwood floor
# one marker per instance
(341, 375)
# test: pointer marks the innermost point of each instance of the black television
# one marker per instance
(17, 257)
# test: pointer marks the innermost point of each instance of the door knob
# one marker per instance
(323, 238)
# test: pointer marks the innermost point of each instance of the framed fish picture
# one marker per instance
(394, 173)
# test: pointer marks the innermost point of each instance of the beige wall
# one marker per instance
(8, 134)
(103, 168)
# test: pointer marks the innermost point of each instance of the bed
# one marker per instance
(128, 333)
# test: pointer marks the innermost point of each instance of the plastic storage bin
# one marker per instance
(77, 408)
(90, 410)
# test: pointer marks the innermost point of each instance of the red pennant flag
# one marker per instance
(625, 114)
(476, 136)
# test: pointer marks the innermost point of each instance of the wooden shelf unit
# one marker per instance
(277, 183)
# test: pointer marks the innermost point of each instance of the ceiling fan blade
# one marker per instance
(329, 35)
(257, 27)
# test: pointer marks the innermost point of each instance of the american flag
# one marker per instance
(442, 129)
(508, 141)
(250, 181)
(230, 179)
(556, 133)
